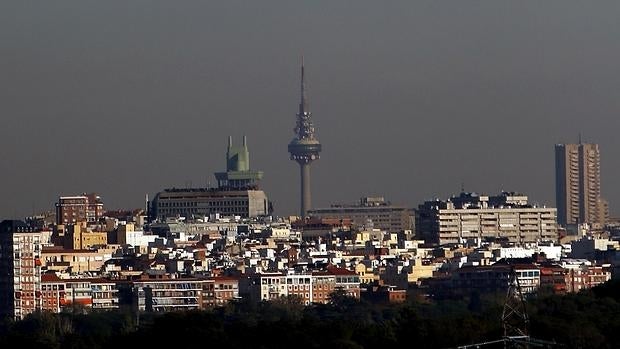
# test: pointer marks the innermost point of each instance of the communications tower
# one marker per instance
(304, 147)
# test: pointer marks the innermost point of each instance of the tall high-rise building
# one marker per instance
(578, 185)
(20, 269)
(304, 147)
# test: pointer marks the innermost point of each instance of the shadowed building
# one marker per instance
(578, 185)
(477, 218)
(237, 192)
(81, 208)
(20, 269)
(371, 212)
(304, 148)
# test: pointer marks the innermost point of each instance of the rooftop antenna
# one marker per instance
(579, 137)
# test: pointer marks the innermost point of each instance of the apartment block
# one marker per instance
(578, 185)
(20, 269)
(310, 287)
(219, 290)
(161, 295)
(582, 274)
(104, 294)
(75, 261)
(80, 208)
(371, 212)
(471, 217)
(53, 293)
(494, 278)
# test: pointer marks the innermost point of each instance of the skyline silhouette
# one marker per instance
(410, 99)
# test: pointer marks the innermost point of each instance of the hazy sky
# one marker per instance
(410, 98)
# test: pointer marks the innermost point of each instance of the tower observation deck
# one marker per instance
(304, 148)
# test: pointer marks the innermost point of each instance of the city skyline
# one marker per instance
(412, 99)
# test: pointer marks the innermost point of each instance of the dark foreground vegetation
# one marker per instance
(586, 320)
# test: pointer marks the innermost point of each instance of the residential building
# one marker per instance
(309, 286)
(371, 212)
(75, 261)
(494, 278)
(300, 285)
(582, 274)
(78, 236)
(323, 285)
(578, 185)
(53, 293)
(20, 269)
(219, 290)
(553, 278)
(161, 295)
(471, 218)
(104, 294)
(80, 208)
(78, 293)
(346, 280)
(384, 294)
(127, 235)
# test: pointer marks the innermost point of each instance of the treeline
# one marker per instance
(589, 319)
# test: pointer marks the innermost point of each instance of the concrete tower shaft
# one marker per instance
(304, 148)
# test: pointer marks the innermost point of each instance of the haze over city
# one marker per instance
(411, 100)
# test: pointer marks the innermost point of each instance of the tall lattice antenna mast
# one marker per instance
(514, 317)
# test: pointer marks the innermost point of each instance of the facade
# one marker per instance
(237, 193)
(444, 222)
(384, 294)
(219, 290)
(578, 185)
(201, 202)
(85, 293)
(75, 261)
(53, 293)
(82, 208)
(553, 278)
(304, 148)
(78, 237)
(323, 284)
(78, 293)
(161, 295)
(370, 210)
(20, 269)
(127, 235)
(310, 287)
(104, 294)
(582, 275)
(495, 278)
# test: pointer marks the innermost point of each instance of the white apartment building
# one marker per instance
(459, 221)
